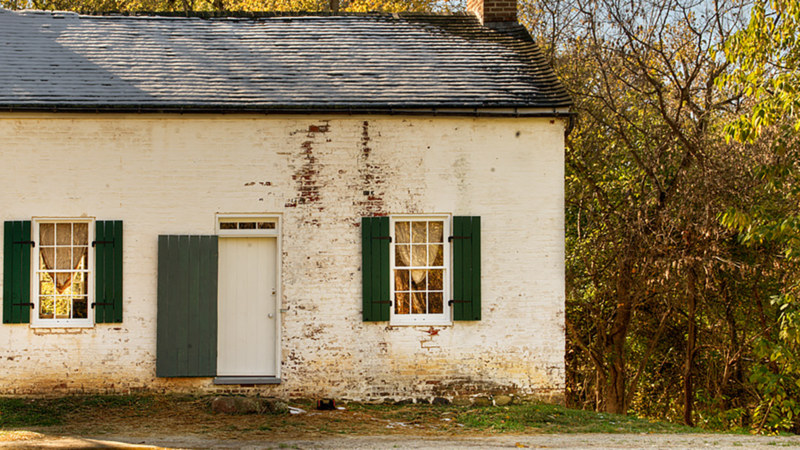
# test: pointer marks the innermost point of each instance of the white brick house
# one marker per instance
(364, 206)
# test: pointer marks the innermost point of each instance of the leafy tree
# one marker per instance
(766, 55)
(657, 289)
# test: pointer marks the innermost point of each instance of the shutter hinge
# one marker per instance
(450, 238)
(31, 243)
(102, 304)
(32, 305)
(389, 238)
(450, 302)
(101, 242)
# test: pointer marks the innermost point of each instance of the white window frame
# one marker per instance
(445, 318)
(36, 321)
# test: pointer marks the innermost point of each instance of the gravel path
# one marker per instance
(563, 441)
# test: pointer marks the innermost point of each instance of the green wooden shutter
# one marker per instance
(17, 244)
(466, 268)
(108, 271)
(186, 336)
(375, 268)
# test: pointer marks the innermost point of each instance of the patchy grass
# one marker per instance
(32, 412)
(556, 419)
(142, 415)
(540, 418)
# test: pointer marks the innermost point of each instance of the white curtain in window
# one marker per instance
(63, 258)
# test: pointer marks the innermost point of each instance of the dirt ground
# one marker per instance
(166, 423)
(30, 441)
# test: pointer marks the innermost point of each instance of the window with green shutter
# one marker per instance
(186, 336)
(48, 266)
(421, 270)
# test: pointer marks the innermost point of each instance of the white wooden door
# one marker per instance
(247, 307)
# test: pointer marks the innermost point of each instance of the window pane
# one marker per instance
(419, 232)
(80, 235)
(266, 225)
(436, 255)
(418, 280)
(80, 308)
(46, 256)
(402, 255)
(435, 231)
(419, 255)
(47, 234)
(247, 225)
(401, 232)
(46, 307)
(435, 303)
(436, 280)
(63, 258)
(401, 303)
(79, 257)
(46, 284)
(227, 226)
(63, 233)
(401, 280)
(62, 307)
(78, 285)
(418, 303)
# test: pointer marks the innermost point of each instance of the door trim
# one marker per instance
(275, 232)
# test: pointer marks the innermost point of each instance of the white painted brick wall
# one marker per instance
(172, 174)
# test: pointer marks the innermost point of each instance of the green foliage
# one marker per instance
(766, 58)
(778, 379)
(766, 55)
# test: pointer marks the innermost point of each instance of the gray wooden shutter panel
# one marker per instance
(186, 336)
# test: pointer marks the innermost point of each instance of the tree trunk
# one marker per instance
(691, 341)
(599, 391)
(615, 346)
(615, 388)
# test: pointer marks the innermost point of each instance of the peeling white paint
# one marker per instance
(172, 174)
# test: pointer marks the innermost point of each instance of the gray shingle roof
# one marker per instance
(373, 62)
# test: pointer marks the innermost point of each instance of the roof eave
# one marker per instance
(556, 110)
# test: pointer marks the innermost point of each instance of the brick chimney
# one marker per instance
(493, 11)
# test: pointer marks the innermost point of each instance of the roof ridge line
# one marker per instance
(235, 14)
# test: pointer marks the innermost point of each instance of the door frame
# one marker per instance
(260, 233)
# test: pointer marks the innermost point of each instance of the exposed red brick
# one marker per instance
(493, 10)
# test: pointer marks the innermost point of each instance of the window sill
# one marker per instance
(421, 323)
(247, 380)
(60, 325)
